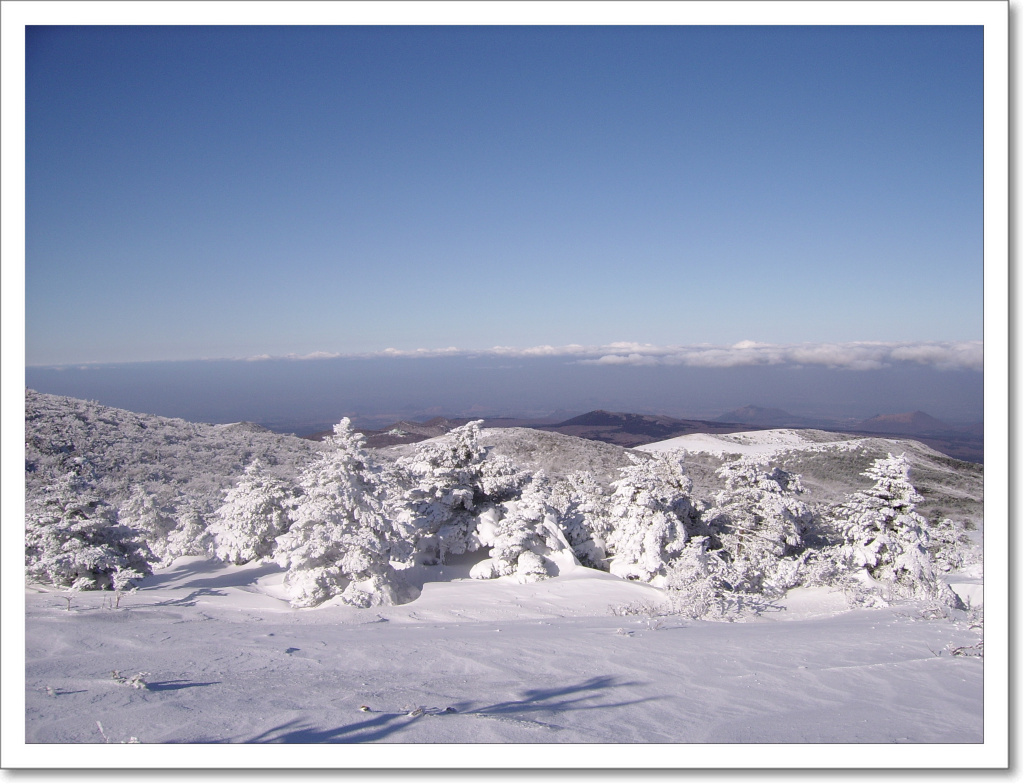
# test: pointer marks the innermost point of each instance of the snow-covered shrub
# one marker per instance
(583, 516)
(694, 581)
(142, 513)
(451, 484)
(526, 541)
(758, 522)
(73, 539)
(192, 535)
(950, 546)
(652, 517)
(886, 537)
(255, 512)
(339, 543)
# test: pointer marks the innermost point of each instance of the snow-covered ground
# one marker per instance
(226, 660)
(760, 443)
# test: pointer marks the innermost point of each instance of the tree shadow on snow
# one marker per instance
(175, 685)
(560, 699)
(383, 724)
(220, 575)
(190, 600)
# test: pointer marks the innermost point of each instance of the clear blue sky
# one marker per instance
(232, 191)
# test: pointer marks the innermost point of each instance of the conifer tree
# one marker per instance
(143, 513)
(583, 516)
(653, 516)
(526, 540)
(73, 539)
(452, 483)
(339, 543)
(255, 512)
(885, 535)
(757, 522)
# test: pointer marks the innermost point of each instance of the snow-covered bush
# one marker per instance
(526, 541)
(887, 538)
(192, 535)
(583, 516)
(255, 512)
(142, 513)
(758, 523)
(339, 543)
(451, 484)
(951, 548)
(74, 540)
(652, 517)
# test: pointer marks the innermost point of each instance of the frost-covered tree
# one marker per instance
(74, 540)
(255, 512)
(526, 541)
(652, 515)
(887, 538)
(339, 543)
(192, 535)
(452, 483)
(583, 515)
(154, 522)
(758, 522)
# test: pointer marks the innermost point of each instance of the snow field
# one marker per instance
(544, 663)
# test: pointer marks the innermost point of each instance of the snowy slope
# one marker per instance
(762, 443)
(547, 662)
(832, 464)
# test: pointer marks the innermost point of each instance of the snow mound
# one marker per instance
(761, 443)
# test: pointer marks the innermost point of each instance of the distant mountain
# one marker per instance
(631, 430)
(910, 423)
(635, 429)
(401, 432)
(766, 417)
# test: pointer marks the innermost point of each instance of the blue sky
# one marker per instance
(235, 192)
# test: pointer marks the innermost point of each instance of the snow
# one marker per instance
(758, 443)
(229, 661)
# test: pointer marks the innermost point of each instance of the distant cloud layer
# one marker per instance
(958, 355)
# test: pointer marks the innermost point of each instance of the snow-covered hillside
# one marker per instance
(225, 660)
(495, 586)
(175, 461)
(831, 464)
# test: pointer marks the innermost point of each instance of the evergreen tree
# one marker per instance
(757, 523)
(583, 516)
(451, 484)
(254, 513)
(653, 516)
(887, 538)
(191, 536)
(73, 539)
(526, 540)
(154, 522)
(339, 543)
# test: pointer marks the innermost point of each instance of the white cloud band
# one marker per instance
(950, 355)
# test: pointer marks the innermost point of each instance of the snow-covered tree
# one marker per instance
(653, 516)
(758, 523)
(154, 522)
(526, 541)
(887, 538)
(583, 516)
(255, 512)
(339, 543)
(73, 539)
(191, 536)
(452, 483)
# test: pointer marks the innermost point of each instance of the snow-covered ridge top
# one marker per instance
(764, 443)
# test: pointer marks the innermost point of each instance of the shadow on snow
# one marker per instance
(574, 697)
(175, 685)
